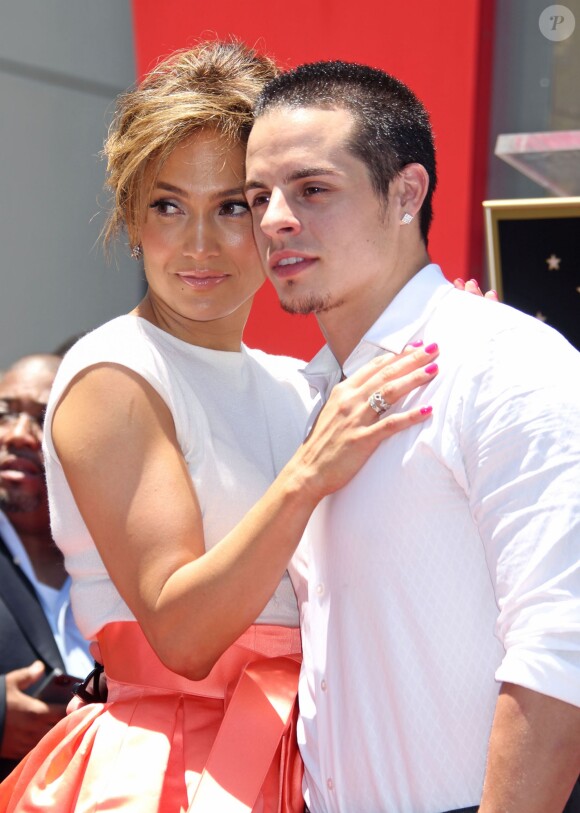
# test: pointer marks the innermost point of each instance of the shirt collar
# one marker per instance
(20, 554)
(398, 325)
(15, 547)
(323, 372)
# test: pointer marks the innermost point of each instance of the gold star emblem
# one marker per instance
(553, 262)
(541, 316)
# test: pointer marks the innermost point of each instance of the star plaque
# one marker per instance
(533, 252)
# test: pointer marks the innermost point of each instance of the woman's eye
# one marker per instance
(165, 207)
(234, 208)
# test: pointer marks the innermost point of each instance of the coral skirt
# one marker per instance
(165, 744)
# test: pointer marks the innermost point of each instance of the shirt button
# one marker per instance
(330, 784)
(320, 589)
(323, 685)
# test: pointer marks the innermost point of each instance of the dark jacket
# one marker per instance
(25, 635)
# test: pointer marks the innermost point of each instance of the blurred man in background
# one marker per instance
(37, 630)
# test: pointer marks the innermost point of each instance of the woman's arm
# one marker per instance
(116, 441)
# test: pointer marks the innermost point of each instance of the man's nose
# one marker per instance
(22, 431)
(279, 216)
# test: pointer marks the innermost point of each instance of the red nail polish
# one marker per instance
(459, 281)
(417, 343)
(431, 368)
(426, 410)
(431, 348)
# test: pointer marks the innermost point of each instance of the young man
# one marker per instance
(439, 590)
(37, 630)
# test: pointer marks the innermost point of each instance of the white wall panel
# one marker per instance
(61, 64)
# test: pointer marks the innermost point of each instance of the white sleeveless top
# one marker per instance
(238, 417)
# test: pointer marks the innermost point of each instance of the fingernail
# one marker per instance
(431, 368)
(474, 281)
(431, 348)
(427, 410)
(417, 343)
(493, 291)
(459, 281)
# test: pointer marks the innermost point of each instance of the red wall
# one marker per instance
(442, 50)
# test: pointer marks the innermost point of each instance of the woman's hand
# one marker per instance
(348, 429)
(472, 287)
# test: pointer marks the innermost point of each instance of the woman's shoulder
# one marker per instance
(279, 366)
(283, 371)
(121, 327)
(122, 341)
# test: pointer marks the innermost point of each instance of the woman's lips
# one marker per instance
(202, 282)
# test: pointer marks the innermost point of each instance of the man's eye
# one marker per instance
(260, 200)
(312, 190)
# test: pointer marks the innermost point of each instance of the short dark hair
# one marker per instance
(392, 127)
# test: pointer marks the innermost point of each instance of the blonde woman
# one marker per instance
(176, 492)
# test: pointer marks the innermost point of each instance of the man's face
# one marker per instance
(326, 240)
(24, 394)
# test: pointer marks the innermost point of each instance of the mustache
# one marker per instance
(9, 453)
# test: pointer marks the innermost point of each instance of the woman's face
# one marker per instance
(200, 259)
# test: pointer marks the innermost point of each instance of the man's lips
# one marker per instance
(16, 467)
(289, 263)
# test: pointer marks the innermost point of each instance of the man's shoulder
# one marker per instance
(492, 353)
(473, 320)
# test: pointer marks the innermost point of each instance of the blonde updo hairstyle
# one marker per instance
(212, 85)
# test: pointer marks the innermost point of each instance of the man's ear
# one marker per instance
(412, 187)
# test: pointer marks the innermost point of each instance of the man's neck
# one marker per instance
(45, 558)
(343, 327)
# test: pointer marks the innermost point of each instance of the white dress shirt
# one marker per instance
(448, 564)
(55, 603)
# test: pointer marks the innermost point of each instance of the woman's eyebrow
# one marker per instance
(219, 193)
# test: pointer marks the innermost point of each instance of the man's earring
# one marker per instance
(136, 252)
(406, 219)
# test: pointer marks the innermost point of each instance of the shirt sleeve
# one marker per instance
(519, 435)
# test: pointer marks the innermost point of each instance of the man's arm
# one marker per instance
(520, 438)
(534, 753)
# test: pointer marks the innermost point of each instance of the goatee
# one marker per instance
(309, 304)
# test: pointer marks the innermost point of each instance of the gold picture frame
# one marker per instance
(533, 257)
